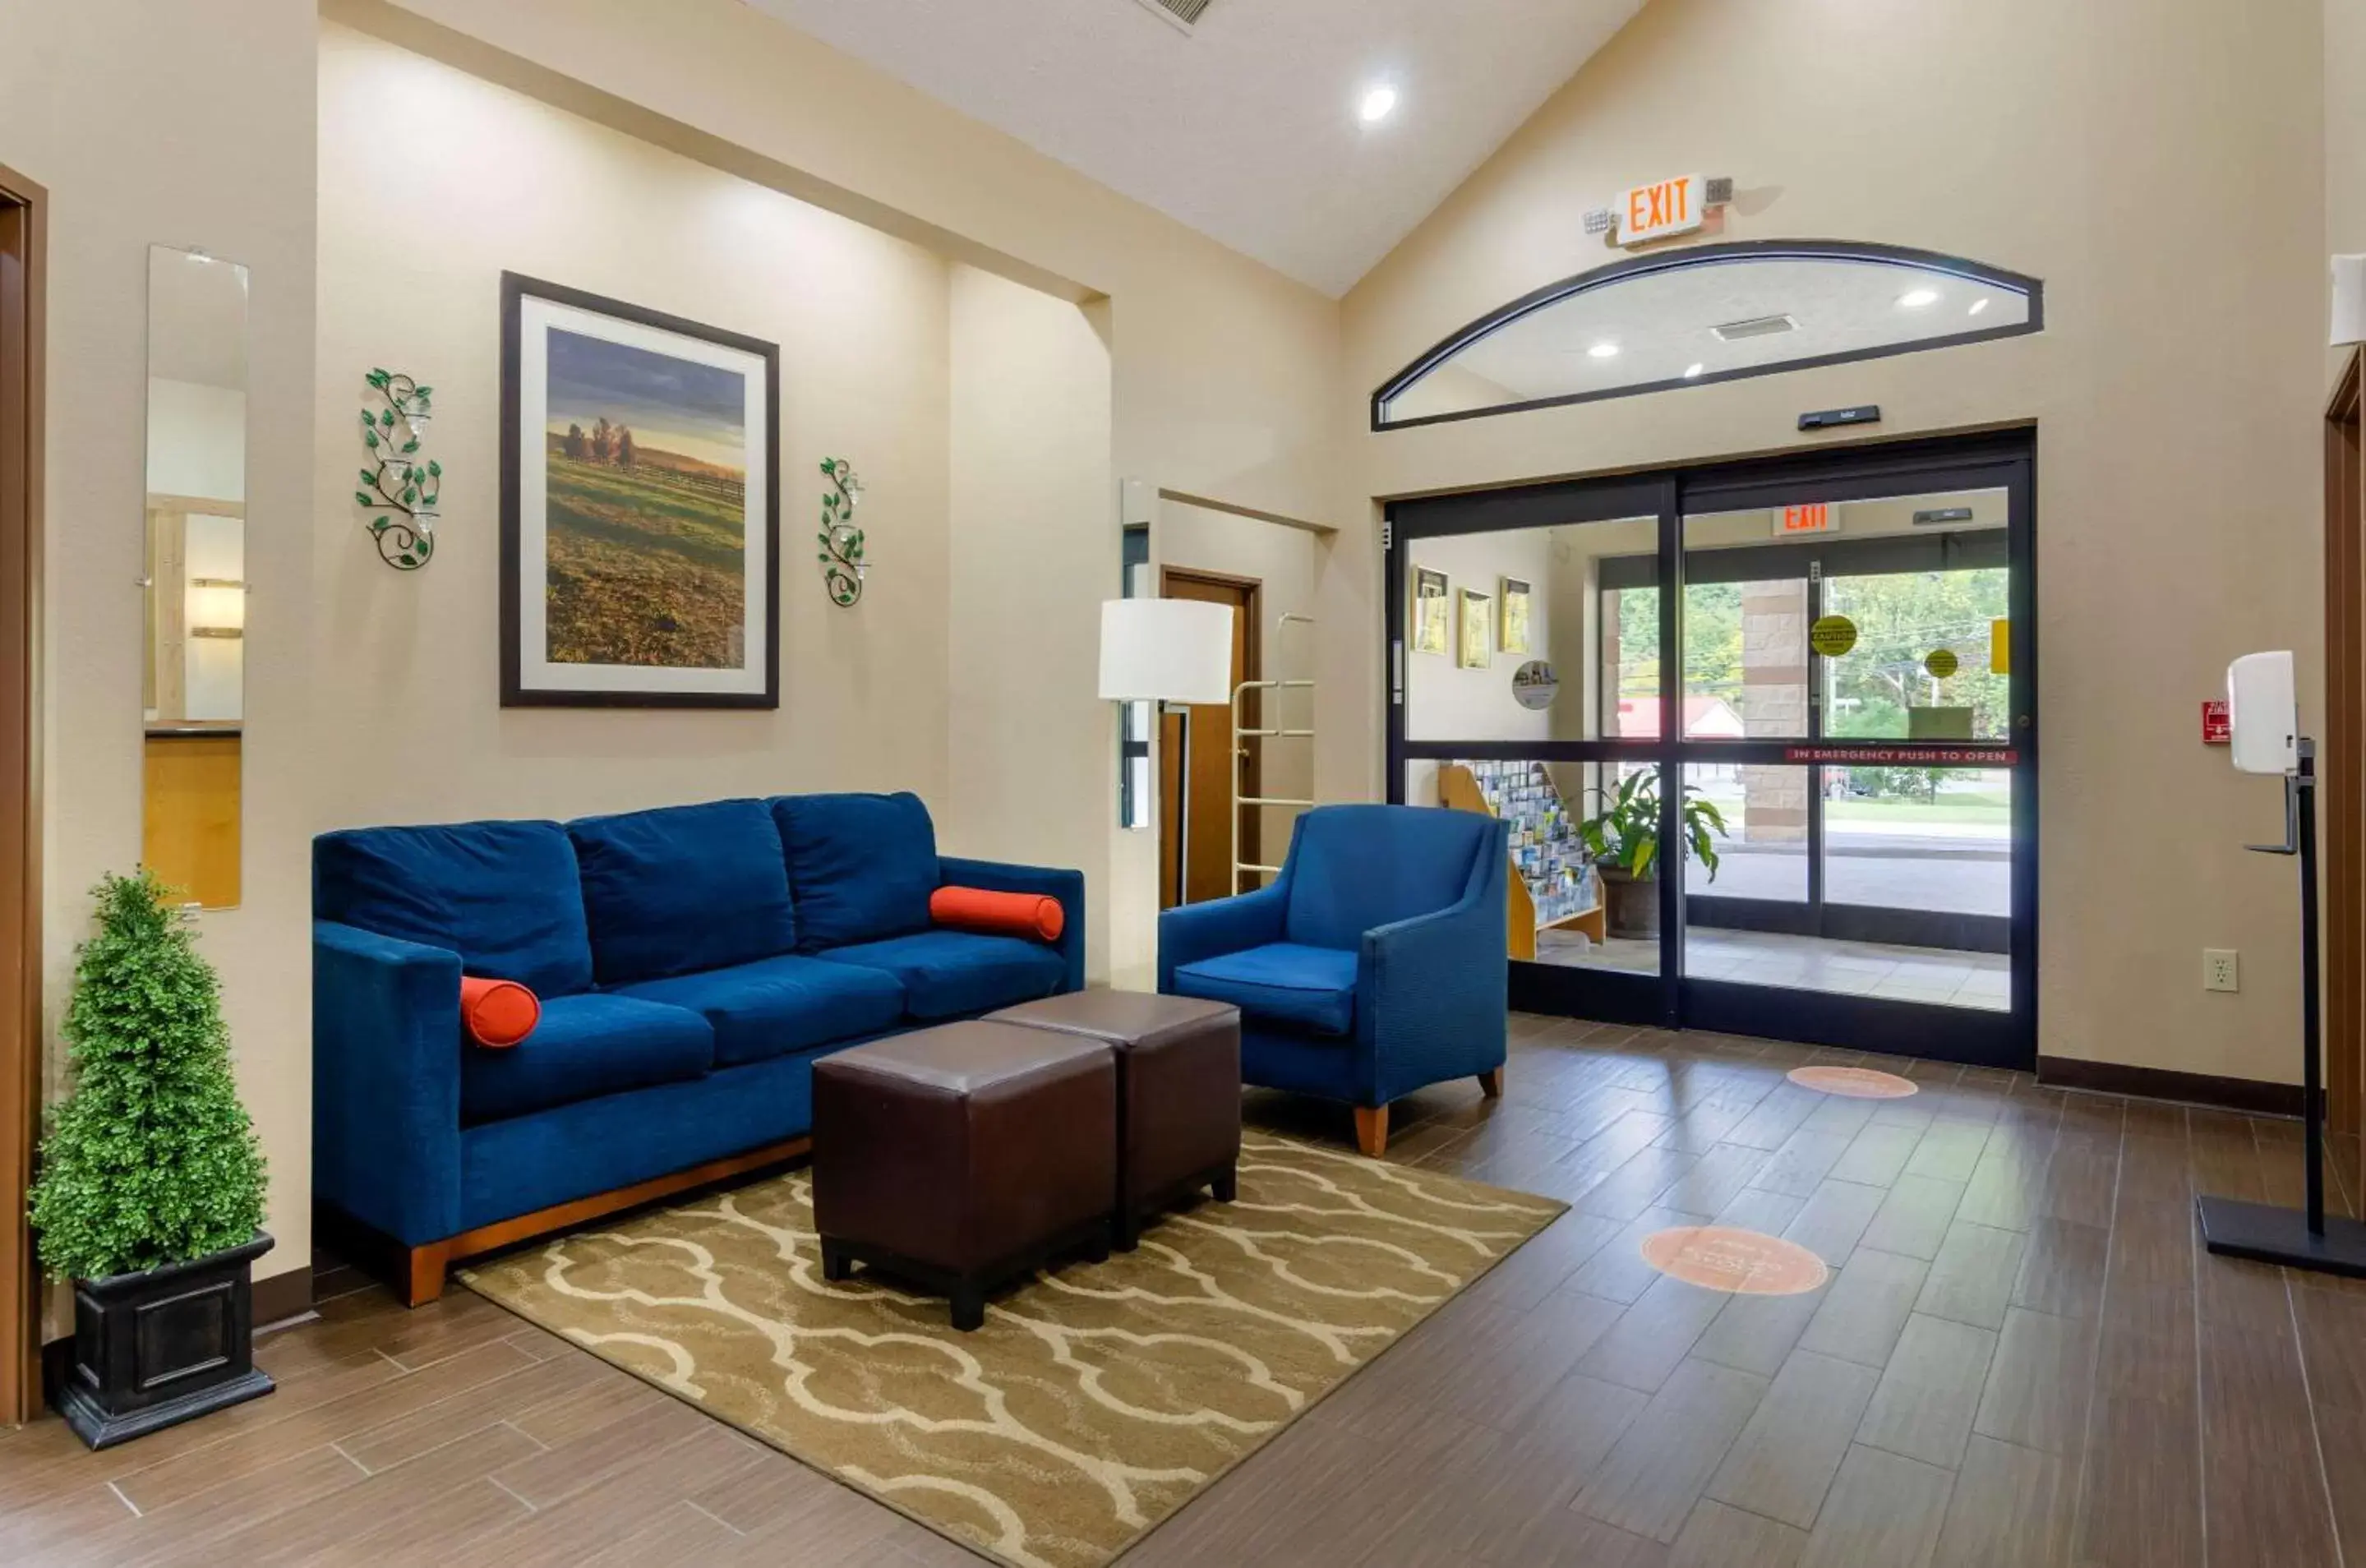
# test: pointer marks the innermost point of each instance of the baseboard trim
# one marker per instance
(283, 1296)
(2249, 1095)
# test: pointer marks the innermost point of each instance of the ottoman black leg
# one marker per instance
(834, 1263)
(1125, 1229)
(1096, 1247)
(968, 1305)
(1226, 1184)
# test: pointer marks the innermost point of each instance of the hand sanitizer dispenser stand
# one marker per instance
(2265, 719)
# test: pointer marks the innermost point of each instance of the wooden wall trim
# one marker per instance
(2343, 757)
(24, 241)
(2249, 1095)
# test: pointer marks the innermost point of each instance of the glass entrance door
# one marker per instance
(1775, 774)
(1870, 630)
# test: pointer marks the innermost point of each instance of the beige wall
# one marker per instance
(1034, 549)
(2171, 195)
(179, 125)
(2345, 133)
(410, 727)
(1225, 374)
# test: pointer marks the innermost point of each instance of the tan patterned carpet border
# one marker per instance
(1097, 1399)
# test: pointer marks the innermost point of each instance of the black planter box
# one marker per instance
(153, 1350)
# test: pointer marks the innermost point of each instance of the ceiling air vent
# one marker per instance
(1757, 326)
(1184, 14)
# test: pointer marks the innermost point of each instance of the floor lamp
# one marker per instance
(2264, 732)
(1174, 651)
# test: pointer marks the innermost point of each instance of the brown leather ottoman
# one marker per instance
(964, 1156)
(1178, 1091)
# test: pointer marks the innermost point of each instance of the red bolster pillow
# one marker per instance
(1033, 915)
(497, 1013)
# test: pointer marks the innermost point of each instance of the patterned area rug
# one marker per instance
(1095, 1402)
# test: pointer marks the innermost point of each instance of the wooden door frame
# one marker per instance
(2344, 761)
(24, 241)
(1250, 777)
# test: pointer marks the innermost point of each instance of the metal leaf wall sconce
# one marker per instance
(842, 566)
(400, 491)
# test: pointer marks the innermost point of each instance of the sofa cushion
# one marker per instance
(586, 1046)
(504, 895)
(1356, 867)
(861, 866)
(1309, 988)
(946, 974)
(683, 888)
(778, 1005)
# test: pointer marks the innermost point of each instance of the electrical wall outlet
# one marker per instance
(2219, 970)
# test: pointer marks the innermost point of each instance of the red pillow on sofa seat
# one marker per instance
(1032, 915)
(497, 1013)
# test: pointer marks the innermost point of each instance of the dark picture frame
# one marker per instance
(531, 677)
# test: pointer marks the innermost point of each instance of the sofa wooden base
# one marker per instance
(417, 1273)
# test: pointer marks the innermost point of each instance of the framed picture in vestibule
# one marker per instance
(1513, 605)
(1474, 651)
(640, 506)
(1433, 612)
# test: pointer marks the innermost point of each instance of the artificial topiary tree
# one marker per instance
(150, 1159)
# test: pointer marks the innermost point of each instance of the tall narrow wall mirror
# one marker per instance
(193, 664)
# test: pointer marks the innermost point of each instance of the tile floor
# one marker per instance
(2021, 1360)
(1818, 964)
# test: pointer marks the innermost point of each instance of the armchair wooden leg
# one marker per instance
(1491, 1083)
(1372, 1130)
(424, 1274)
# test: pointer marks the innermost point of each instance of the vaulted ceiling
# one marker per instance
(1245, 126)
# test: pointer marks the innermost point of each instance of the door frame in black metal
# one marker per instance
(2005, 460)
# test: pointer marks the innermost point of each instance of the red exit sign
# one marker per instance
(1816, 519)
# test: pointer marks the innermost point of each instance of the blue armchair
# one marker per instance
(1374, 964)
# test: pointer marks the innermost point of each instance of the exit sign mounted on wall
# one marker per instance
(1664, 208)
(1817, 518)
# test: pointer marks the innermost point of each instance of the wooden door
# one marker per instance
(2343, 766)
(23, 211)
(1220, 773)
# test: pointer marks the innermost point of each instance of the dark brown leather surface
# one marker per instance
(1123, 1019)
(1178, 1080)
(959, 1058)
(966, 1145)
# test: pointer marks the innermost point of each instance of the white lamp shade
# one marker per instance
(1166, 650)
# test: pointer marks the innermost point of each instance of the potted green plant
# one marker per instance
(150, 1192)
(1624, 840)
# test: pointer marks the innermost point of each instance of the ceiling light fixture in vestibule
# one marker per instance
(1604, 351)
(1378, 102)
(1917, 299)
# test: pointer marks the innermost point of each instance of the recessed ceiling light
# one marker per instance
(1604, 351)
(1916, 299)
(1379, 104)
(1693, 371)
(1978, 305)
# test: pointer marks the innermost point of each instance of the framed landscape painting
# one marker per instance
(640, 507)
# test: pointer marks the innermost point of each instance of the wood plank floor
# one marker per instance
(2021, 1360)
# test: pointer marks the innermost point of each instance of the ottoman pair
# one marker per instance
(962, 1156)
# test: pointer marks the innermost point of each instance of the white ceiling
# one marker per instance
(1660, 324)
(1245, 129)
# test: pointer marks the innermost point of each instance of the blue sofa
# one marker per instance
(1374, 965)
(691, 963)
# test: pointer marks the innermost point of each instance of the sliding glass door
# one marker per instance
(1809, 681)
